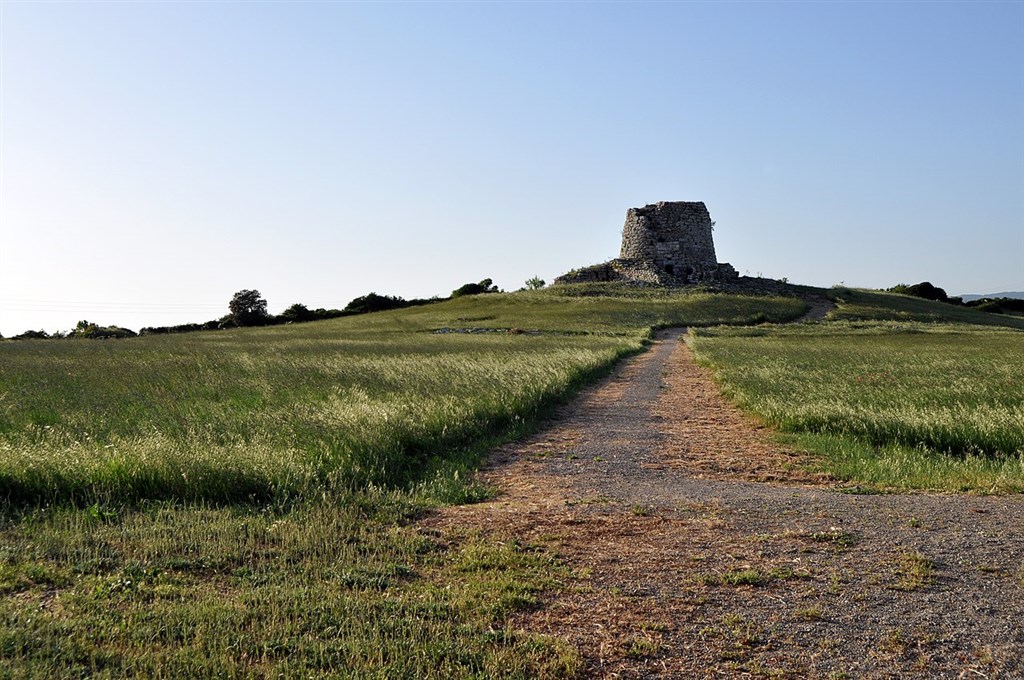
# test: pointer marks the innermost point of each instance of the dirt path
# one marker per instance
(818, 307)
(698, 550)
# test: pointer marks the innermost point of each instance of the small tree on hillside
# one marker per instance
(298, 313)
(32, 335)
(248, 308)
(536, 283)
(372, 302)
(485, 286)
(92, 331)
(925, 290)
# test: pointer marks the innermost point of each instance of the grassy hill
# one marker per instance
(871, 306)
(238, 503)
(273, 413)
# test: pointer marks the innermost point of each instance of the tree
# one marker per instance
(92, 331)
(375, 303)
(32, 335)
(484, 286)
(925, 290)
(248, 308)
(298, 313)
(536, 283)
(82, 329)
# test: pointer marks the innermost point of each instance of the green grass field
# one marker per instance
(325, 589)
(886, 404)
(239, 503)
(294, 411)
(234, 503)
(871, 306)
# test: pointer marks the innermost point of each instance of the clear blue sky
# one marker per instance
(158, 156)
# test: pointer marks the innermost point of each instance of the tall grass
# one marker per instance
(234, 415)
(887, 398)
(285, 412)
(872, 306)
(130, 545)
(323, 590)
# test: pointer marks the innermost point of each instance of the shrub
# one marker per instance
(922, 290)
(485, 286)
(998, 305)
(375, 303)
(297, 313)
(91, 331)
(321, 313)
(32, 335)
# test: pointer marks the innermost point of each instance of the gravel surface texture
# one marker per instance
(698, 547)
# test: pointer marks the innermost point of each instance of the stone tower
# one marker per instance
(673, 236)
(668, 243)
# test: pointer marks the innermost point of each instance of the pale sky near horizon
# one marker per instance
(156, 157)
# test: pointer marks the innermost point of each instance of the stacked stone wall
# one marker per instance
(665, 243)
(635, 271)
(675, 236)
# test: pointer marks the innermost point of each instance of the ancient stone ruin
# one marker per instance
(665, 243)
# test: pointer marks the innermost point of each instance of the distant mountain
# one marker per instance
(1019, 294)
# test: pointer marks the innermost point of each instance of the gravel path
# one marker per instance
(682, 566)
